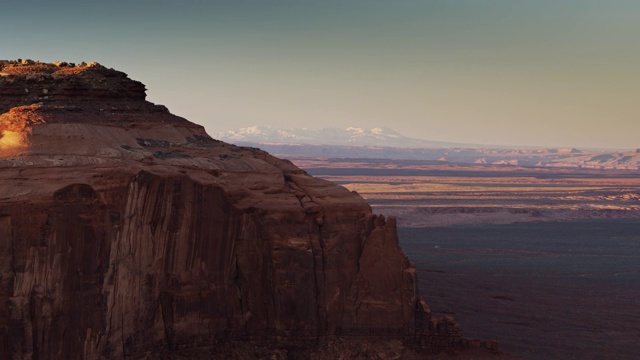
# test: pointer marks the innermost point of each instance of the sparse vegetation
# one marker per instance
(169, 155)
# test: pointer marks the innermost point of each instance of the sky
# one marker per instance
(505, 72)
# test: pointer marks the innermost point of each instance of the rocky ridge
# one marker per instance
(126, 231)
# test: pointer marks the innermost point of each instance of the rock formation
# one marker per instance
(126, 230)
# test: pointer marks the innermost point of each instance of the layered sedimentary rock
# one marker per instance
(125, 229)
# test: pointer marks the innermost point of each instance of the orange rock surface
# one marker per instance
(125, 229)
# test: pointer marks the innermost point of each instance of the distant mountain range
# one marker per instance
(385, 143)
(351, 136)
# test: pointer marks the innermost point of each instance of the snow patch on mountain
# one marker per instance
(350, 136)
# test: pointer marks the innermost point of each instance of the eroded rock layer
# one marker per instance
(125, 229)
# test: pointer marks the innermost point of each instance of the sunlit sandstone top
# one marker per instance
(35, 93)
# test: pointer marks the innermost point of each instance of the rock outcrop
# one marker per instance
(126, 230)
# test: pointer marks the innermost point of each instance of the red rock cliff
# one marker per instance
(124, 229)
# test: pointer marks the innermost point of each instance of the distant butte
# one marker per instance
(128, 232)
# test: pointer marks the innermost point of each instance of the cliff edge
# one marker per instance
(126, 231)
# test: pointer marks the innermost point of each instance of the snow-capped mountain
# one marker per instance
(351, 136)
(384, 143)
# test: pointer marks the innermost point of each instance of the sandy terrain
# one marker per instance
(423, 194)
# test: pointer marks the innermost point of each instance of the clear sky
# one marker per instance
(512, 72)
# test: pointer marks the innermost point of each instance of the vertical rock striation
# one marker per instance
(125, 229)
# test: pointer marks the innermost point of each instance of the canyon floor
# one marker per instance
(553, 290)
(545, 260)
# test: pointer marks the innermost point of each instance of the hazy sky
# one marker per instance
(520, 72)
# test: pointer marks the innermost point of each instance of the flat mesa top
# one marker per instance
(10, 67)
(66, 92)
(27, 82)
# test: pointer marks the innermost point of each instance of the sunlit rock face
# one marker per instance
(125, 229)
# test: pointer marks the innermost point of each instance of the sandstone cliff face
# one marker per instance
(125, 229)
